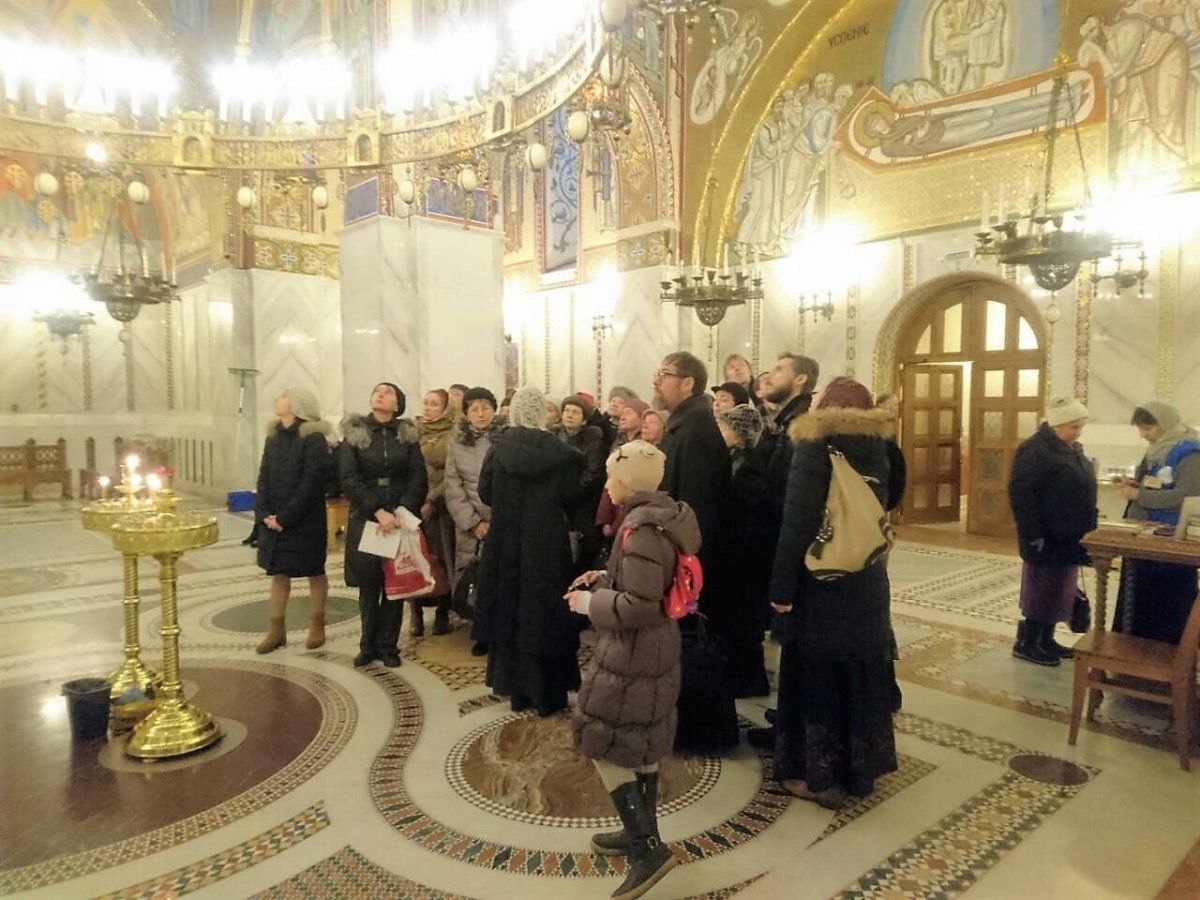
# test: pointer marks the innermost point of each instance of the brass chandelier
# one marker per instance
(127, 290)
(1053, 253)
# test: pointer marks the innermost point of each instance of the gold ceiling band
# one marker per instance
(194, 145)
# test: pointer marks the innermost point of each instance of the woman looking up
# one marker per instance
(382, 470)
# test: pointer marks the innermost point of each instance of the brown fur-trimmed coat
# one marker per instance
(848, 618)
(626, 710)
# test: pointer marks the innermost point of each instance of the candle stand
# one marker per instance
(174, 727)
(101, 516)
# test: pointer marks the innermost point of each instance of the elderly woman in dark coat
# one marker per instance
(529, 479)
(382, 470)
(627, 717)
(290, 506)
(1052, 491)
(836, 690)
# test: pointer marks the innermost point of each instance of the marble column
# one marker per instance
(421, 306)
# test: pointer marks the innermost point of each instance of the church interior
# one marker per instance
(967, 205)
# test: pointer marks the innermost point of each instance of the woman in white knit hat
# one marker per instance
(1052, 490)
(289, 506)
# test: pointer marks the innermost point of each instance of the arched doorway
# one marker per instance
(970, 368)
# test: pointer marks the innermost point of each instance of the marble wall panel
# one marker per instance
(297, 328)
(1187, 335)
(107, 354)
(148, 352)
(18, 356)
(1123, 351)
(379, 323)
(459, 304)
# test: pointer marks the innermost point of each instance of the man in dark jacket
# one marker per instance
(697, 460)
(791, 386)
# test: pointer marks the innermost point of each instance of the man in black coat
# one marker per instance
(791, 384)
(697, 470)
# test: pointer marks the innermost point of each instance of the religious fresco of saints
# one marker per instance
(785, 185)
(1150, 56)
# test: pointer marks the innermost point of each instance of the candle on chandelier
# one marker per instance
(131, 463)
(104, 482)
(984, 212)
(1000, 200)
(154, 483)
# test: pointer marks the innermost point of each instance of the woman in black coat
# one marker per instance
(1052, 491)
(836, 689)
(289, 506)
(589, 442)
(382, 470)
(529, 479)
(739, 612)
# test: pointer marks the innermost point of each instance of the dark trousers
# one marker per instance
(380, 617)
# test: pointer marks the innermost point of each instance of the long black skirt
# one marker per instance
(835, 722)
(1154, 599)
(538, 682)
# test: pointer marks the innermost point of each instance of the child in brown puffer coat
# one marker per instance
(626, 715)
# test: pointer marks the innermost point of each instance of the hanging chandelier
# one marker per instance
(685, 12)
(1053, 251)
(708, 290)
(57, 302)
(128, 289)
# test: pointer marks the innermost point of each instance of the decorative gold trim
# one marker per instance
(169, 354)
(756, 314)
(1168, 308)
(908, 277)
(1084, 295)
(85, 366)
(851, 328)
(277, 255)
(546, 323)
(292, 149)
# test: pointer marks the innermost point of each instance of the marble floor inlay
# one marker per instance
(416, 782)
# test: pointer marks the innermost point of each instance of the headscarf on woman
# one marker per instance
(1174, 431)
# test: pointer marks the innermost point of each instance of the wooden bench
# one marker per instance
(31, 464)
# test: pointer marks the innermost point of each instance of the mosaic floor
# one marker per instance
(333, 782)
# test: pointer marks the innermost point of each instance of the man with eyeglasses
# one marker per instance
(697, 460)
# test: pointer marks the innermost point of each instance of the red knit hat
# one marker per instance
(845, 392)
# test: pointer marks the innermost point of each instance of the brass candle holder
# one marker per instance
(174, 727)
(101, 515)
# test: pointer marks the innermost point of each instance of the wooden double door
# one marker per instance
(972, 376)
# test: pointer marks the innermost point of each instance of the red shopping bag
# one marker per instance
(410, 574)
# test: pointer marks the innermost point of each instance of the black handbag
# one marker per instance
(463, 599)
(1081, 613)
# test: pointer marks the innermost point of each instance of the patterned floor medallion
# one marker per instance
(338, 718)
(526, 768)
(348, 873)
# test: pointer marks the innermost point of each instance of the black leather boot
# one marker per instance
(1029, 645)
(649, 858)
(368, 616)
(616, 843)
(1052, 647)
(441, 618)
(387, 632)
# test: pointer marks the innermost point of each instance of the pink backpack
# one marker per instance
(683, 596)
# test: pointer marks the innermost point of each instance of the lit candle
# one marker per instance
(135, 482)
(724, 257)
(1000, 200)
(132, 463)
(154, 483)
(103, 481)
(984, 212)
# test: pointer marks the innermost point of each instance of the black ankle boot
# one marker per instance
(1053, 647)
(616, 843)
(648, 857)
(1029, 645)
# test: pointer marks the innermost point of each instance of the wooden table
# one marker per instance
(1106, 544)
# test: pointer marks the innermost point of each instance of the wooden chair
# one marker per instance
(1100, 656)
